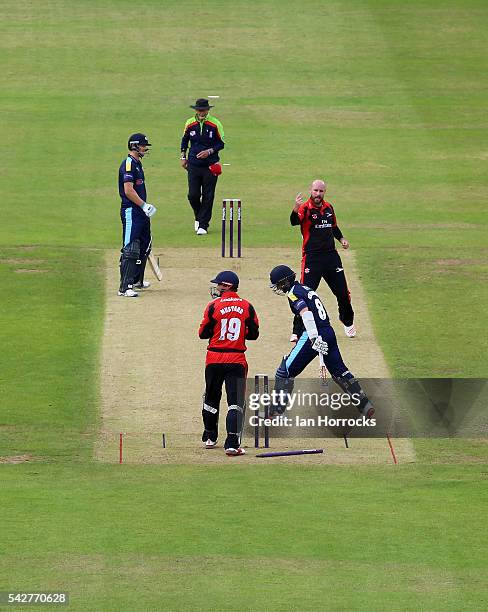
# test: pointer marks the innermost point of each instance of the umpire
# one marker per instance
(319, 228)
(204, 135)
(134, 213)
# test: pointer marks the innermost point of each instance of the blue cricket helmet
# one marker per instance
(137, 140)
(226, 277)
(282, 278)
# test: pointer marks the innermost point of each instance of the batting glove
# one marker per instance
(149, 209)
(320, 346)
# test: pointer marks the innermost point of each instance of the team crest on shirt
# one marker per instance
(192, 133)
(307, 270)
(314, 217)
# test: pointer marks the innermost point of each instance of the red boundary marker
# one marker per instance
(392, 450)
(120, 448)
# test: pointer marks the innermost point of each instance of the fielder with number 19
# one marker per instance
(228, 322)
(318, 337)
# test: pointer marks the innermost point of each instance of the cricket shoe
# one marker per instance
(294, 338)
(210, 443)
(128, 293)
(234, 452)
(368, 410)
(350, 331)
(197, 225)
(274, 411)
(143, 285)
(201, 232)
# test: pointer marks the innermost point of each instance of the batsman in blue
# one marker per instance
(318, 338)
(135, 215)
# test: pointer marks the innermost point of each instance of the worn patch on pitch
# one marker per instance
(12, 459)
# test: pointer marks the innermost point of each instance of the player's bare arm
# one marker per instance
(130, 192)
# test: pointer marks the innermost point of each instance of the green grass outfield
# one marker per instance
(251, 538)
(387, 100)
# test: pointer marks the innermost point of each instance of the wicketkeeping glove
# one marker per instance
(149, 209)
(320, 346)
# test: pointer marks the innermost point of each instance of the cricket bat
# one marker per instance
(153, 262)
(323, 371)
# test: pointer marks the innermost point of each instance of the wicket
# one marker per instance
(231, 202)
(257, 379)
(310, 451)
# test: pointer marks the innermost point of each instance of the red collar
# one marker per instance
(311, 206)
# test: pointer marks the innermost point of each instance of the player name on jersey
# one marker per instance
(228, 309)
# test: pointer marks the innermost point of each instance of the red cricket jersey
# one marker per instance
(318, 227)
(228, 321)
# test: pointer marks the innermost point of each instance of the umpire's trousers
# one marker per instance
(201, 192)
